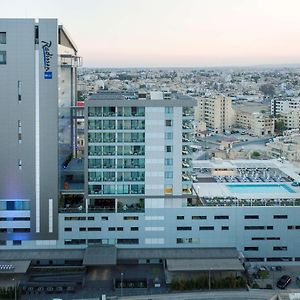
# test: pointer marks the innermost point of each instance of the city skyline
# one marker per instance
(172, 33)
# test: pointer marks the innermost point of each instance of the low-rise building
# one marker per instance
(257, 123)
(287, 146)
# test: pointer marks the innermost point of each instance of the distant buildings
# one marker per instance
(287, 147)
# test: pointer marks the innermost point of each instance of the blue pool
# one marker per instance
(259, 188)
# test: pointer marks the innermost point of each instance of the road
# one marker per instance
(220, 295)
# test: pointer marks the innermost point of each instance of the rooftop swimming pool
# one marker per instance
(259, 188)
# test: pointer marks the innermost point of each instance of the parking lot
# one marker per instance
(274, 275)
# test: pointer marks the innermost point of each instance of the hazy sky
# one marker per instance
(193, 33)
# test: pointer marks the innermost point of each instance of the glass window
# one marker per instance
(168, 162)
(2, 37)
(168, 148)
(168, 174)
(169, 123)
(2, 57)
(168, 110)
(169, 135)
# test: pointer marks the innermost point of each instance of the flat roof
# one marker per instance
(175, 253)
(30, 254)
(100, 255)
(220, 264)
(17, 266)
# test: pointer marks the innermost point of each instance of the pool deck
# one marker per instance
(218, 189)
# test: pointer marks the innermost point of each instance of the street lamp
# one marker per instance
(122, 284)
(209, 279)
(15, 286)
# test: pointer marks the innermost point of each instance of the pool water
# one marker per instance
(259, 188)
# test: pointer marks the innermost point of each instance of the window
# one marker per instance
(75, 218)
(127, 241)
(168, 162)
(250, 248)
(2, 57)
(169, 136)
(184, 228)
(19, 91)
(91, 218)
(273, 238)
(206, 228)
(280, 248)
(120, 228)
(94, 228)
(199, 217)
(104, 218)
(254, 227)
(19, 131)
(168, 174)
(257, 238)
(111, 228)
(180, 217)
(168, 149)
(225, 227)
(82, 229)
(130, 218)
(251, 217)
(17, 243)
(169, 123)
(134, 228)
(280, 217)
(168, 110)
(2, 37)
(68, 229)
(20, 164)
(221, 217)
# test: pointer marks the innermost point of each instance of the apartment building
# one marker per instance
(290, 118)
(284, 105)
(216, 111)
(37, 77)
(287, 146)
(256, 123)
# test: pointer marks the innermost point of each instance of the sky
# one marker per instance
(173, 33)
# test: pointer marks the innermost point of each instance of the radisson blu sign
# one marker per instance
(47, 57)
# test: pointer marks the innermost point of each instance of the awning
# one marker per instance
(100, 255)
(14, 267)
(221, 264)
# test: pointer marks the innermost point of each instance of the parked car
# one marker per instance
(283, 281)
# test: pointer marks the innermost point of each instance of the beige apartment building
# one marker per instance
(216, 111)
(285, 146)
(257, 123)
(290, 118)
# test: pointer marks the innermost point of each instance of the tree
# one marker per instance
(279, 126)
(255, 154)
(267, 89)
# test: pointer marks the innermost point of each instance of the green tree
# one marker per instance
(279, 126)
(255, 154)
(267, 89)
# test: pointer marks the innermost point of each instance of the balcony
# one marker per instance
(102, 205)
(131, 205)
(68, 60)
(73, 203)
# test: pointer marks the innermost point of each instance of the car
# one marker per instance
(283, 281)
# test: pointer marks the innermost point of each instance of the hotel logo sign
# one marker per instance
(47, 58)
